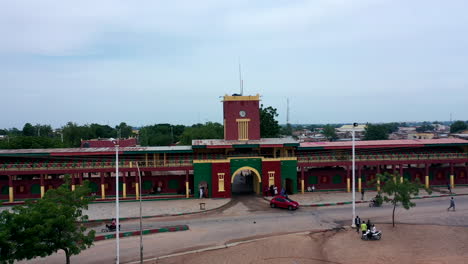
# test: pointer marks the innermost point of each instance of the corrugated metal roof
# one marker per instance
(383, 143)
(93, 150)
(263, 141)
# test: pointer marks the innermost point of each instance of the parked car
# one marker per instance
(283, 202)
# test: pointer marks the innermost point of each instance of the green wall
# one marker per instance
(289, 171)
(239, 163)
(201, 172)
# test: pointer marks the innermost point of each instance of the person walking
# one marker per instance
(449, 188)
(452, 204)
(357, 223)
(362, 194)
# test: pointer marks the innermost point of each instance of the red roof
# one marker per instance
(384, 143)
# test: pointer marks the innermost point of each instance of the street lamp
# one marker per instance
(141, 226)
(354, 177)
(116, 144)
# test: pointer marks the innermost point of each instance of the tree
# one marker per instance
(458, 126)
(286, 130)
(269, 127)
(51, 224)
(426, 126)
(124, 130)
(329, 132)
(375, 132)
(28, 130)
(208, 130)
(397, 192)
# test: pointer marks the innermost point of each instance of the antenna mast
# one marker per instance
(241, 82)
(287, 110)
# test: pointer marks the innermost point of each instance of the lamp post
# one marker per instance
(354, 177)
(116, 143)
(141, 226)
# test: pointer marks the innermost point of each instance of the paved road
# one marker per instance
(251, 217)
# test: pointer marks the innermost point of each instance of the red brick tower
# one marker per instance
(241, 117)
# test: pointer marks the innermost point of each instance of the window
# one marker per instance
(221, 182)
(243, 128)
(271, 178)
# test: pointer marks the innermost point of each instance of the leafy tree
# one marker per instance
(286, 130)
(100, 131)
(124, 130)
(329, 132)
(42, 228)
(208, 130)
(458, 126)
(73, 134)
(396, 192)
(375, 132)
(426, 126)
(269, 127)
(28, 130)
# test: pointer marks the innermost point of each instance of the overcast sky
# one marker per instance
(147, 62)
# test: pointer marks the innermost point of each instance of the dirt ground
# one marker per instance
(420, 244)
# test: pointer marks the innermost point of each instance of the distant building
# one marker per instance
(349, 128)
(421, 136)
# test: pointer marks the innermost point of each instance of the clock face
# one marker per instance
(242, 113)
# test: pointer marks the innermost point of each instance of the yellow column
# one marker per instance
(164, 159)
(427, 182)
(146, 159)
(73, 187)
(103, 191)
(359, 184)
(401, 179)
(42, 191)
(137, 190)
(348, 184)
(10, 191)
(378, 184)
(187, 194)
(124, 191)
(154, 159)
(302, 186)
(452, 181)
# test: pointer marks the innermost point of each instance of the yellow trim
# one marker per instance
(187, 194)
(146, 159)
(348, 185)
(10, 194)
(124, 191)
(452, 181)
(243, 120)
(279, 159)
(211, 161)
(73, 187)
(242, 98)
(302, 186)
(221, 182)
(427, 182)
(42, 191)
(131, 164)
(271, 178)
(257, 180)
(243, 128)
(103, 191)
(137, 190)
(359, 184)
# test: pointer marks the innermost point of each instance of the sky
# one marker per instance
(147, 62)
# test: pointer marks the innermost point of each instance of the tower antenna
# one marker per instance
(287, 111)
(241, 82)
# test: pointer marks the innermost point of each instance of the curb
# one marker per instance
(154, 216)
(226, 246)
(367, 201)
(145, 232)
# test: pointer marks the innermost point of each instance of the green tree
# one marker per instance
(458, 126)
(398, 193)
(124, 130)
(426, 126)
(329, 132)
(28, 130)
(208, 130)
(269, 127)
(376, 132)
(286, 130)
(99, 131)
(51, 224)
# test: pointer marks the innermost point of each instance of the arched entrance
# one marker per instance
(246, 180)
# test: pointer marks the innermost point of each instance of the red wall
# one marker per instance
(220, 168)
(271, 166)
(231, 113)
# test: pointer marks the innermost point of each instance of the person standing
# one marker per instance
(201, 192)
(363, 227)
(449, 188)
(362, 194)
(357, 223)
(313, 188)
(452, 204)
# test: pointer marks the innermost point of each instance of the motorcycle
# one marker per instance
(372, 236)
(109, 228)
(374, 203)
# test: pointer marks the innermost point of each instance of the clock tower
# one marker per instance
(241, 117)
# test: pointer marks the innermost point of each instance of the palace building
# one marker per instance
(242, 162)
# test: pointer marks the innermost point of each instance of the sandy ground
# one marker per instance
(420, 244)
